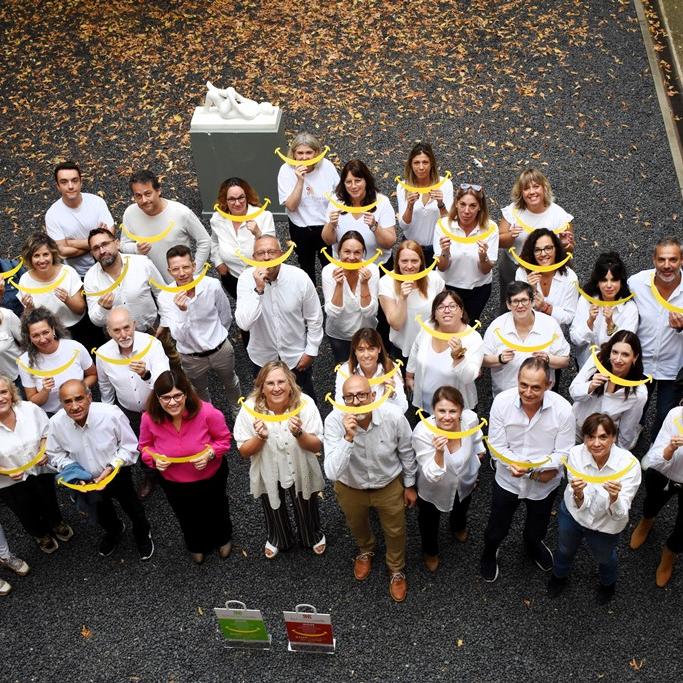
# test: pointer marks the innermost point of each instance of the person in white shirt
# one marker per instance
(466, 266)
(29, 493)
(301, 190)
(280, 308)
(530, 429)
(97, 439)
(369, 358)
(50, 350)
(350, 295)
(419, 211)
(370, 459)
(357, 188)
(659, 297)
(69, 220)
(595, 392)
(10, 340)
(447, 469)
(595, 323)
(402, 302)
(169, 223)
(591, 511)
(236, 197)
(524, 327)
(284, 457)
(533, 206)
(663, 465)
(555, 292)
(454, 361)
(199, 319)
(11, 562)
(134, 291)
(129, 382)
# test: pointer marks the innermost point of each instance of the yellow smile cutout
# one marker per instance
(151, 239)
(599, 302)
(350, 209)
(443, 432)
(522, 348)
(13, 271)
(49, 373)
(614, 378)
(598, 478)
(302, 162)
(41, 290)
(185, 458)
(539, 269)
(661, 300)
(181, 288)
(423, 190)
(519, 464)
(357, 410)
(350, 266)
(114, 284)
(413, 277)
(445, 336)
(471, 239)
(265, 417)
(374, 381)
(267, 264)
(246, 217)
(125, 361)
(529, 229)
(34, 461)
(85, 488)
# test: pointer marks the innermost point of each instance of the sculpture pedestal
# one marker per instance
(223, 148)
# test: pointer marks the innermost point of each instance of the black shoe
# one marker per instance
(145, 546)
(556, 585)
(542, 556)
(110, 541)
(605, 594)
(488, 567)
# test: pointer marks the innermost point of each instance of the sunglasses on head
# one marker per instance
(469, 186)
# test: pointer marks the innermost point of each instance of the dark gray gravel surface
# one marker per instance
(563, 84)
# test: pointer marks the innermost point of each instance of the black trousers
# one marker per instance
(306, 514)
(341, 349)
(503, 507)
(34, 502)
(308, 242)
(120, 488)
(658, 491)
(429, 516)
(475, 299)
(87, 333)
(202, 509)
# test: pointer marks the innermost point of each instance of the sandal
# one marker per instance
(320, 546)
(271, 551)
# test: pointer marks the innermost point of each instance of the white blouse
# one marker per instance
(553, 218)
(313, 204)
(425, 216)
(397, 398)
(563, 294)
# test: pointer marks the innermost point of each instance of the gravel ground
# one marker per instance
(563, 84)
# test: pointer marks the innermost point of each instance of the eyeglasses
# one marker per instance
(469, 186)
(101, 245)
(520, 302)
(236, 200)
(446, 307)
(267, 253)
(173, 398)
(359, 395)
(544, 250)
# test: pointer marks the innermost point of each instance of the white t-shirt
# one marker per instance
(417, 305)
(10, 338)
(71, 283)
(421, 228)
(225, 241)
(62, 222)
(311, 210)
(463, 271)
(384, 215)
(67, 349)
(553, 218)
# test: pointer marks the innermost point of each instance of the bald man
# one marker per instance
(96, 440)
(369, 456)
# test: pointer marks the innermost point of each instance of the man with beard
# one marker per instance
(370, 458)
(133, 291)
(659, 298)
(279, 307)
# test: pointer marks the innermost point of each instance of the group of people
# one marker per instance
(136, 317)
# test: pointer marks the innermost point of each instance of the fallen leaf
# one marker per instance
(86, 632)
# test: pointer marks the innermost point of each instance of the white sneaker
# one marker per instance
(5, 588)
(15, 564)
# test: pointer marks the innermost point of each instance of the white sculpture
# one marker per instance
(231, 105)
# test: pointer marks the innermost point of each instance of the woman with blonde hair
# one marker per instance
(279, 428)
(301, 189)
(402, 302)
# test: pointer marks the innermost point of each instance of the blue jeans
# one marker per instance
(668, 396)
(602, 546)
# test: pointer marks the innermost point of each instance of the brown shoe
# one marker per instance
(461, 535)
(225, 550)
(641, 532)
(362, 565)
(147, 487)
(431, 562)
(666, 567)
(398, 587)
(197, 558)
